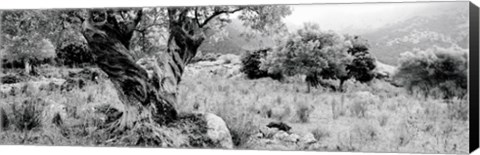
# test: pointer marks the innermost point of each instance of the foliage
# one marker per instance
(10, 78)
(320, 134)
(74, 55)
(151, 33)
(303, 112)
(251, 61)
(27, 116)
(322, 55)
(27, 36)
(442, 72)
(23, 49)
(362, 66)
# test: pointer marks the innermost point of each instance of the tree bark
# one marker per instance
(340, 86)
(108, 33)
(28, 67)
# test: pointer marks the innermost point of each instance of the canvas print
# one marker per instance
(366, 77)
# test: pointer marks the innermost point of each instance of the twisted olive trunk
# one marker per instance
(108, 33)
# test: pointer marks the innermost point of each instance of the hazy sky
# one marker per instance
(346, 18)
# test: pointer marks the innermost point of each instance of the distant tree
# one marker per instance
(29, 52)
(26, 35)
(363, 63)
(322, 55)
(251, 61)
(442, 72)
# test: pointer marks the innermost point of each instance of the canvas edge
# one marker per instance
(474, 78)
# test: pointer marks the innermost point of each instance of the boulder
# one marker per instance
(281, 135)
(293, 138)
(383, 70)
(308, 139)
(268, 132)
(218, 132)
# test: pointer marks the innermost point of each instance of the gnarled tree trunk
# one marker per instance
(152, 82)
(108, 33)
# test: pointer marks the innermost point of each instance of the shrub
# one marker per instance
(320, 134)
(27, 116)
(74, 55)
(458, 109)
(358, 108)
(338, 108)
(9, 79)
(29, 52)
(437, 69)
(365, 132)
(303, 112)
(4, 122)
(322, 55)
(251, 61)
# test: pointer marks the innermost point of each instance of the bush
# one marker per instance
(4, 122)
(303, 112)
(251, 61)
(320, 134)
(9, 79)
(322, 55)
(434, 71)
(27, 116)
(74, 55)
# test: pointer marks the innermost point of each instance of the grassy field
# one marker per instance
(375, 117)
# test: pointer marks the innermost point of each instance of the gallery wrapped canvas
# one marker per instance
(387, 77)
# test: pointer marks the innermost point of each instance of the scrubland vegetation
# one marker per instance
(323, 89)
(374, 117)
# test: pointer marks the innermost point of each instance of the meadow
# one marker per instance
(371, 117)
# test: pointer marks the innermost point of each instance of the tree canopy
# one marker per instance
(322, 55)
(436, 72)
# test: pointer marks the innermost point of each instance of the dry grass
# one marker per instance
(391, 120)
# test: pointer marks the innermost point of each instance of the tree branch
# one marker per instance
(217, 13)
(196, 16)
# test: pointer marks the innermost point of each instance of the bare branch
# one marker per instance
(196, 16)
(217, 13)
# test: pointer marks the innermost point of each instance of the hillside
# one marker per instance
(445, 29)
(234, 42)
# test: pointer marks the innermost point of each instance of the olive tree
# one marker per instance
(152, 83)
(442, 72)
(25, 37)
(321, 55)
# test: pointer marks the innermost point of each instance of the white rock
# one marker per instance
(281, 135)
(308, 138)
(217, 131)
(293, 138)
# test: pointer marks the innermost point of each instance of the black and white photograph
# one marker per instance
(383, 78)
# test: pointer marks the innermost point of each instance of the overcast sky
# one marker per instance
(347, 18)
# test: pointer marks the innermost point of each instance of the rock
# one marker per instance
(218, 132)
(258, 135)
(293, 138)
(268, 132)
(383, 70)
(281, 135)
(229, 59)
(280, 126)
(308, 139)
